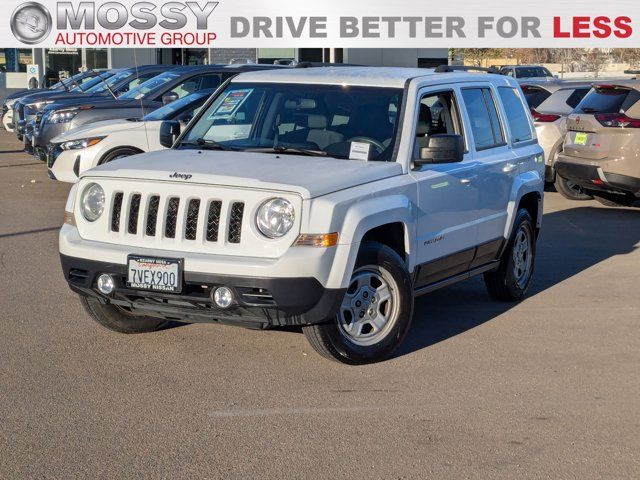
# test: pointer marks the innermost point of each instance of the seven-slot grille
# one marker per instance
(175, 217)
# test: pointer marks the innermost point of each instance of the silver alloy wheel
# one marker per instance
(522, 256)
(370, 307)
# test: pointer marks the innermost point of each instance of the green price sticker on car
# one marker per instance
(580, 139)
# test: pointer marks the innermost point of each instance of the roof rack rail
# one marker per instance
(632, 72)
(464, 68)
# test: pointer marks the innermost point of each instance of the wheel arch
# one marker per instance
(387, 220)
(115, 149)
(528, 192)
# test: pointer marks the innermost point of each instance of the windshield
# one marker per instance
(168, 111)
(325, 120)
(608, 99)
(78, 77)
(112, 81)
(86, 86)
(144, 88)
(532, 72)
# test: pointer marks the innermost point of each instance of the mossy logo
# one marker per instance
(31, 23)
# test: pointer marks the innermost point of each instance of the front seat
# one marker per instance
(313, 130)
(318, 132)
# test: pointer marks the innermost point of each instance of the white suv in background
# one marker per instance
(325, 198)
(83, 148)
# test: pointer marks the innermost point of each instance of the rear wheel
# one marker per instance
(119, 153)
(375, 314)
(570, 190)
(118, 319)
(511, 281)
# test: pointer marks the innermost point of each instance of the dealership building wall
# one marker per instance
(55, 62)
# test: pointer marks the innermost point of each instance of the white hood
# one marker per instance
(308, 176)
(102, 128)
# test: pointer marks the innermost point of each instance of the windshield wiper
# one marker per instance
(289, 150)
(207, 144)
(590, 110)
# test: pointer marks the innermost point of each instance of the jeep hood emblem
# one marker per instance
(181, 176)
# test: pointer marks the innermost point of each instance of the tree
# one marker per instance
(479, 56)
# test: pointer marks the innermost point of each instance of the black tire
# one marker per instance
(331, 340)
(623, 202)
(570, 190)
(118, 153)
(119, 320)
(503, 284)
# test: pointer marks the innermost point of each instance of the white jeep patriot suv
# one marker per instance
(324, 198)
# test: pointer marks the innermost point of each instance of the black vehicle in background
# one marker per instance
(110, 84)
(65, 115)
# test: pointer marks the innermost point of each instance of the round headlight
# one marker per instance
(92, 202)
(275, 217)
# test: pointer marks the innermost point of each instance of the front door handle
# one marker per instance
(509, 168)
(468, 181)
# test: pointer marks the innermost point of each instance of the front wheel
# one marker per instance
(511, 281)
(375, 314)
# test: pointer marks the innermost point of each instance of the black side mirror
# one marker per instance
(442, 148)
(169, 97)
(169, 133)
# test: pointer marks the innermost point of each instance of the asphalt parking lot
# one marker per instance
(548, 388)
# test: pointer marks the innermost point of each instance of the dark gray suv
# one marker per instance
(178, 82)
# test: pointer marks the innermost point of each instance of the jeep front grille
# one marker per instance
(152, 215)
(176, 217)
(117, 210)
(133, 214)
(235, 224)
(191, 226)
(172, 218)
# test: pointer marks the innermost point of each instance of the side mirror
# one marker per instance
(169, 133)
(169, 97)
(442, 148)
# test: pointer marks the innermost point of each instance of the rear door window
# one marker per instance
(483, 117)
(608, 99)
(517, 116)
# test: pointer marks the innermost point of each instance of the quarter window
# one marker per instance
(485, 123)
(517, 116)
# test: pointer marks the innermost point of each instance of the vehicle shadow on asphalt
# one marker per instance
(571, 242)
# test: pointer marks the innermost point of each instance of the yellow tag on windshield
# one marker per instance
(580, 139)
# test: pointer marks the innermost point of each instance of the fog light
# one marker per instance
(223, 297)
(106, 285)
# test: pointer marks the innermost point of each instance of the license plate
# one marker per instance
(154, 274)
(580, 139)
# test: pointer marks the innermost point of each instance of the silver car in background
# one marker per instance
(551, 103)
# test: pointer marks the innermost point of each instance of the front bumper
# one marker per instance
(261, 302)
(592, 177)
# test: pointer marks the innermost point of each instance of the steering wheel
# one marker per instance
(379, 146)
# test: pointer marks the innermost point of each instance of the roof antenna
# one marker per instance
(146, 133)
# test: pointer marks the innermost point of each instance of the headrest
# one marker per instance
(315, 122)
(425, 121)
